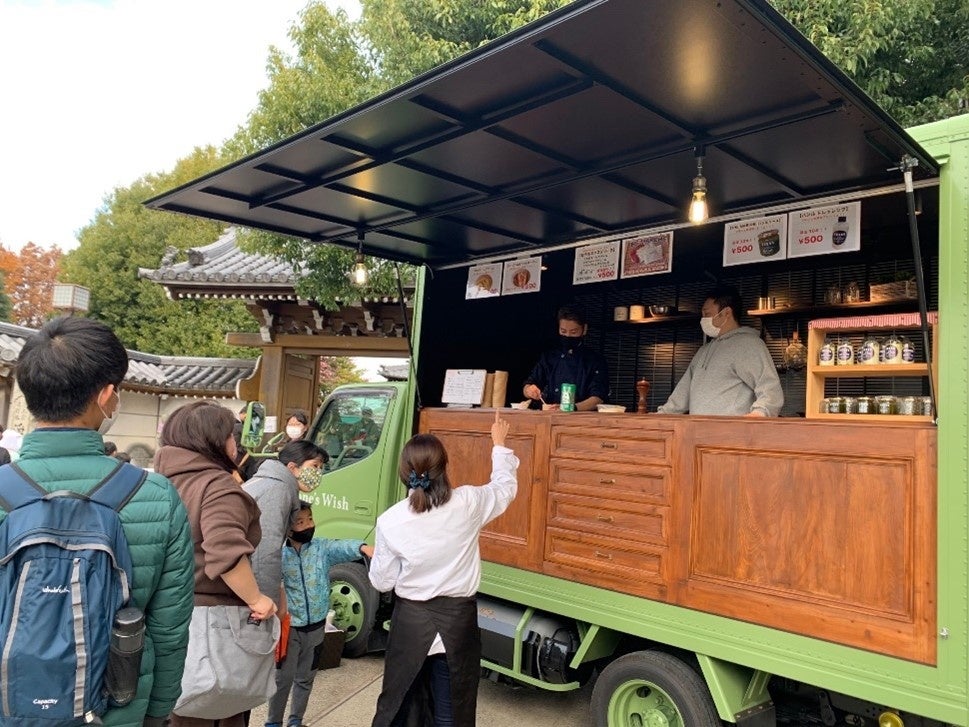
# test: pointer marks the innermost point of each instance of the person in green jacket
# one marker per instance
(70, 373)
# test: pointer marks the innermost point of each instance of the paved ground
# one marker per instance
(346, 696)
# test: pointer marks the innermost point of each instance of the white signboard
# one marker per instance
(822, 230)
(596, 263)
(522, 276)
(755, 240)
(647, 255)
(484, 281)
(463, 386)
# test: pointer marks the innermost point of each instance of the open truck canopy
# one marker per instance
(580, 125)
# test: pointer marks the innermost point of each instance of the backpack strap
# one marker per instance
(119, 486)
(17, 489)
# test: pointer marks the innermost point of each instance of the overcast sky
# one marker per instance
(95, 94)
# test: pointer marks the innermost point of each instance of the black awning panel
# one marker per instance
(580, 125)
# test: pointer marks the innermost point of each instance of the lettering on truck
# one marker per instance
(327, 499)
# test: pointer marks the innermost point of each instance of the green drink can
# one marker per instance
(567, 401)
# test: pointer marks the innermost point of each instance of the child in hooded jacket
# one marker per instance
(306, 579)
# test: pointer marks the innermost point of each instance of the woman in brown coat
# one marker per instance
(198, 455)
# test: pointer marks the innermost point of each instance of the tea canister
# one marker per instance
(908, 350)
(892, 350)
(845, 353)
(869, 351)
(826, 354)
(885, 405)
(567, 400)
(865, 405)
(906, 405)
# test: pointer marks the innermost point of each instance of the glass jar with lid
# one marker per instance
(892, 349)
(846, 352)
(866, 405)
(869, 351)
(908, 350)
(907, 405)
(885, 405)
(827, 353)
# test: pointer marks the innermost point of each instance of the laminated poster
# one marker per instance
(523, 275)
(647, 255)
(596, 263)
(755, 240)
(823, 230)
(484, 281)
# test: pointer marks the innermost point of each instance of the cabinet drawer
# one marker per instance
(615, 481)
(612, 518)
(613, 445)
(604, 559)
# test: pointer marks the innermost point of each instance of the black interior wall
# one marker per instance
(509, 332)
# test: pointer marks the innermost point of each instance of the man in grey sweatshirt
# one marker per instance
(733, 373)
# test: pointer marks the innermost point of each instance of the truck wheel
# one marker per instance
(355, 603)
(652, 689)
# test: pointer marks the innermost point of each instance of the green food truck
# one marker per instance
(808, 568)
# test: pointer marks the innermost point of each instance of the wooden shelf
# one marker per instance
(880, 418)
(675, 318)
(859, 370)
(825, 308)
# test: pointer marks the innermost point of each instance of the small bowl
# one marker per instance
(660, 310)
(520, 404)
(610, 408)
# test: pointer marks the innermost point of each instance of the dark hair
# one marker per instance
(424, 455)
(65, 364)
(300, 451)
(203, 427)
(5, 457)
(726, 296)
(122, 456)
(571, 313)
(110, 448)
(300, 416)
(304, 506)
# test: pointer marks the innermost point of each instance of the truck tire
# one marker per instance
(653, 689)
(355, 602)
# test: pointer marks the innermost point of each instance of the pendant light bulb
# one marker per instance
(698, 205)
(359, 271)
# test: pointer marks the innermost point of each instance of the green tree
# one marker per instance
(5, 309)
(336, 371)
(911, 57)
(124, 236)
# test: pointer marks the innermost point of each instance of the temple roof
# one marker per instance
(173, 375)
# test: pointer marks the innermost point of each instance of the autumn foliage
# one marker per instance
(28, 281)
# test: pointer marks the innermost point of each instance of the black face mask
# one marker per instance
(569, 343)
(302, 536)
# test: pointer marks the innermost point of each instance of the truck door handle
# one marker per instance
(607, 445)
(611, 481)
(363, 509)
(604, 518)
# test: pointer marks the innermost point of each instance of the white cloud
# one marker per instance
(96, 94)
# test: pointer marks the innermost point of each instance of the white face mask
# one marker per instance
(706, 325)
(108, 421)
(294, 432)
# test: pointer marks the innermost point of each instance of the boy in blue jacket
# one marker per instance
(306, 578)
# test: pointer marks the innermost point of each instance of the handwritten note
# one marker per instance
(463, 386)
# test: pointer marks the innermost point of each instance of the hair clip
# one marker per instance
(415, 480)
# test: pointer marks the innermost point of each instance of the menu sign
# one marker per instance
(821, 230)
(596, 263)
(755, 240)
(647, 255)
(463, 386)
(484, 281)
(522, 276)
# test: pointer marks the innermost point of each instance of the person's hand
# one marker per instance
(756, 413)
(499, 430)
(367, 550)
(262, 608)
(532, 392)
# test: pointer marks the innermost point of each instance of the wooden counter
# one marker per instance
(816, 527)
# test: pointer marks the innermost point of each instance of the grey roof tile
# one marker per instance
(182, 374)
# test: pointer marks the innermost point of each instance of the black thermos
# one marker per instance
(124, 661)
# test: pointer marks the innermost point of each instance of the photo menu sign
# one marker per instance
(523, 275)
(647, 255)
(823, 230)
(596, 263)
(755, 240)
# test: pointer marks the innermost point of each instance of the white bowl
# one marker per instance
(611, 408)
(520, 404)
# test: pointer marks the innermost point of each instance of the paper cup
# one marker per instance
(637, 312)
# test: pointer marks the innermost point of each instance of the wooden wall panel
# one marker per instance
(515, 538)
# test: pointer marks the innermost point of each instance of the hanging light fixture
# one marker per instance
(698, 206)
(359, 267)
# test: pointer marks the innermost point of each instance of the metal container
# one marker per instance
(567, 400)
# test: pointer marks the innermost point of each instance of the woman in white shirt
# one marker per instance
(426, 551)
